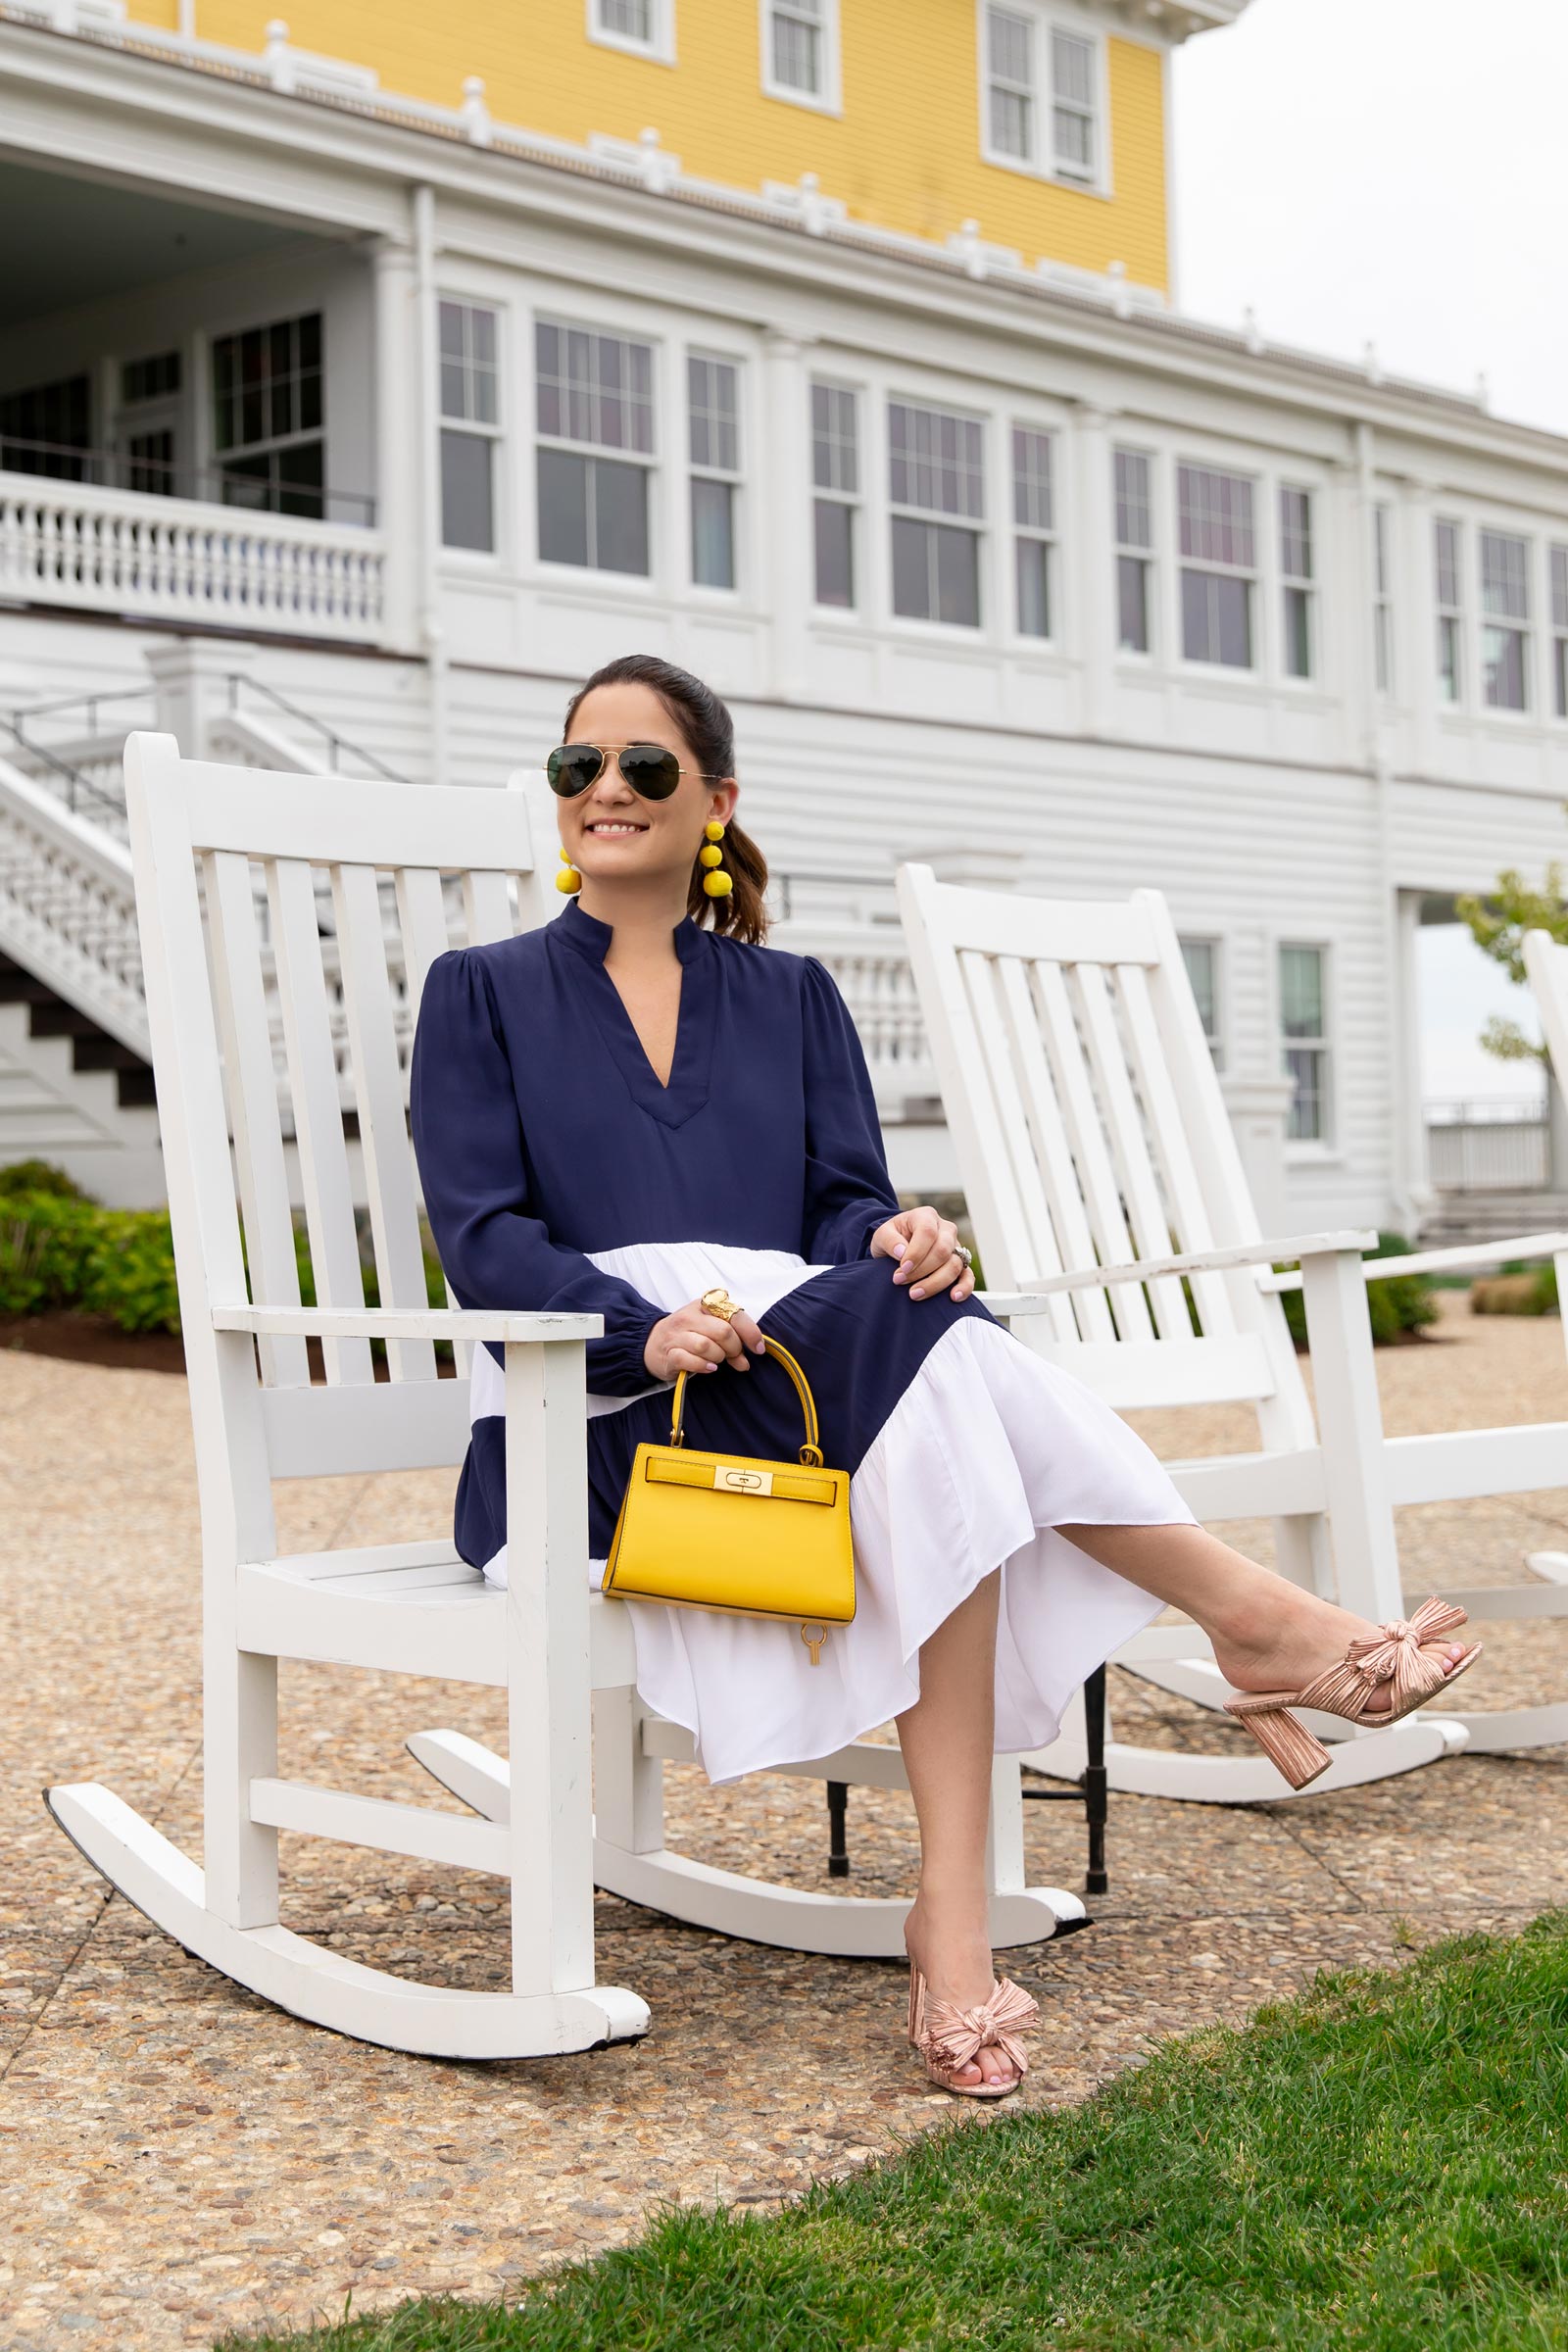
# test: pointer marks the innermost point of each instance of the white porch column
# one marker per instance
(1090, 600)
(1258, 1108)
(1413, 1192)
(786, 557)
(398, 470)
(191, 686)
(1415, 620)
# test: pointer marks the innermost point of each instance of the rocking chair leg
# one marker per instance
(838, 1853)
(1096, 1781)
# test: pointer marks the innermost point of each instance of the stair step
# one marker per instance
(135, 1090)
(53, 1017)
(93, 1051)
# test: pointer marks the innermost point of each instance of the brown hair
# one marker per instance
(709, 728)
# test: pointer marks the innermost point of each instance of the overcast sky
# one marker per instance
(1385, 171)
(1392, 171)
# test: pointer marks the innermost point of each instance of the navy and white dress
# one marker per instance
(558, 1173)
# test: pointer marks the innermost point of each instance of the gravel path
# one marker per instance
(177, 2159)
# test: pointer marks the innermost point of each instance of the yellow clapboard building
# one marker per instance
(1042, 126)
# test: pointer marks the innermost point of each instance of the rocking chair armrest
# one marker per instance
(1190, 1262)
(473, 1324)
(1439, 1261)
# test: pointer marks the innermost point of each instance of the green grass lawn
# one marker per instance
(1382, 2163)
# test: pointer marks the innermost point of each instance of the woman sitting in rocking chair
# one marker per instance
(638, 1104)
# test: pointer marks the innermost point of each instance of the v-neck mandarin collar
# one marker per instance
(579, 929)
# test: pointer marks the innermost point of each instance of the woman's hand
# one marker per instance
(926, 1248)
(691, 1339)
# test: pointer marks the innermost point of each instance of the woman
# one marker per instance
(638, 1103)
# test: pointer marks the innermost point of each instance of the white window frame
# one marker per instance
(1210, 937)
(1302, 584)
(478, 428)
(830, 99)
(1385, 678)
(1557, 607)
(659, 49)
(980, 526)
(1041, 163)
(1252, 574)
(1450, 616)
(1522, 626)
(1045, 535)
(634, 582)
(733, 478)
(854, 501)
(1324, 1145)
(1128, 551)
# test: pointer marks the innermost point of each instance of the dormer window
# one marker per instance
(1043, 94)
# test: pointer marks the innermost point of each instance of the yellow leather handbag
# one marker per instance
(721, 1531)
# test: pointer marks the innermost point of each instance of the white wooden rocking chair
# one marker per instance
(390, 854)
(1103, 1179)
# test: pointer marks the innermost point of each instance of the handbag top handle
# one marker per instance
(811, 1452)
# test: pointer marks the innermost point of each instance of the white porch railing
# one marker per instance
(122, 551)
(68, 909)
(1501, 1145)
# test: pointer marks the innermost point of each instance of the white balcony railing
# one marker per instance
(100, 550)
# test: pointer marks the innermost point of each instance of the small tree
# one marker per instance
(1498, 924)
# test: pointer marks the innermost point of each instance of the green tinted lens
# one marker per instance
(573, 767)
(652, 772)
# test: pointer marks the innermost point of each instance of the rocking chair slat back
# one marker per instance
(1091, 1129)
(314, 961)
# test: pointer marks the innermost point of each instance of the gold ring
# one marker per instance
(718, 1302)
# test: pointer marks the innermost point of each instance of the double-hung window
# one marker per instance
(647, 27)
(471, 426)
(267, 416)
(836, 482)
(1382, 601)
(1201, 958)
(1035, 543)
(1558, 562)
(1447, 552)
(936, 481)
(594, 400)
(1219, 565)
(1042, 95)
(1295, 575)
(712, 395)
(1134, 544)
(800, 51)
(1303, 1041)
(1505, 617)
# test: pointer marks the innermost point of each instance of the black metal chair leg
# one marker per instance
(1097, 1786)
(838, 1853)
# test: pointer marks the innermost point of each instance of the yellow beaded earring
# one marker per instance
(569, 879)
(715, 881)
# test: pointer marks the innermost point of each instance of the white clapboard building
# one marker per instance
(352, 406)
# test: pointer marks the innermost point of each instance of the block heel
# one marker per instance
(1401, 1657)
(1284, 1739)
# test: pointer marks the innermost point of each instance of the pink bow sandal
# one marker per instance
(1396, 1655)
(950, 2038)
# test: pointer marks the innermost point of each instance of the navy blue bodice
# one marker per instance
(543, 1134)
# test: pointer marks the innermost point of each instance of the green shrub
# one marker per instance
(1517, 1290)
(129, 1274)
(46, 1242)
(1405, 1303)
(34, 1176)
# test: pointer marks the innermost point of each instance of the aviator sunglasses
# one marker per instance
(652, 771)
